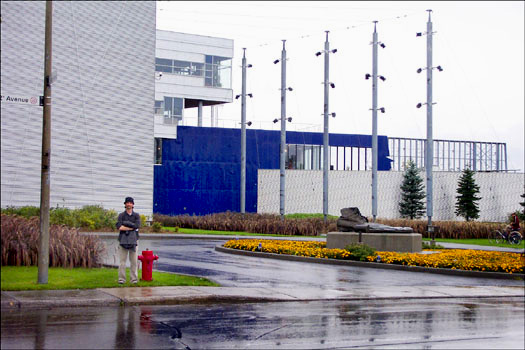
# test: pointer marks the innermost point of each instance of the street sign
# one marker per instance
(20, 99)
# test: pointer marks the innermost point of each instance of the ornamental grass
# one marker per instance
(249, 222)
(67, 248)
(460, 259)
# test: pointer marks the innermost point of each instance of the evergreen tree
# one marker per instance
(412, 194)
(521, 213)
(466, 205)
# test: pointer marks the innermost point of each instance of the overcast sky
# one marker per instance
(479, 44)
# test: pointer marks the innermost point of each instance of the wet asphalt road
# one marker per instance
(198, 257)
(468, 323)
(402, 324)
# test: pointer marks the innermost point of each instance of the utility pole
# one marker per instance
(430, 141)
(429, 150)
(43, 239)
(243, 134)
(283, 133)
(374, 124)
(375, 42)
(326, 146)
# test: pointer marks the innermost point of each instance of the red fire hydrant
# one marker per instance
(147, 259)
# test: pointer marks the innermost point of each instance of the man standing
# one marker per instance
(128, 224)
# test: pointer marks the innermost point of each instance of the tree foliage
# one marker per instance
(412, 194)
(466, 200)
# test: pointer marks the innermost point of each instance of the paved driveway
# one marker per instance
(198, 257)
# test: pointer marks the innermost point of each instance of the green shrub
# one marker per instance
(360, 251)
(429, 245)
(92, 217)
(156, 226)
(26, 212)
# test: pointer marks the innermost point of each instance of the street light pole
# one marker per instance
(243, 134)
(326, 147)
(374, 124)
(283, 133)
(43, 239)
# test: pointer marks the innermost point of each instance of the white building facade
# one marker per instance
(191, 71)
(102, 99)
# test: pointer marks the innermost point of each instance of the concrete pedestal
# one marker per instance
(393, 242)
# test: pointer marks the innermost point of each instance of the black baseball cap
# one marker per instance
(129, 199)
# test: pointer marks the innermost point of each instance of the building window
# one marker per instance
(218, 72)
(158, 151)
(170, 108)
(179, 67)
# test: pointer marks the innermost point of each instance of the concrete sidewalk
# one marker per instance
(191, 295)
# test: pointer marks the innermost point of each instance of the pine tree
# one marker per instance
(412, 194)
(466, 205)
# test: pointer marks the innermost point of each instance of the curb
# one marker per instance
(464, 273)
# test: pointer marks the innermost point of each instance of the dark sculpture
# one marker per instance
(351, 220)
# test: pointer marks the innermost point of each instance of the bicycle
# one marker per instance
(514, 237)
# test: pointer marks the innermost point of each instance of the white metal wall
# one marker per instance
(102, 103)
(500, 193)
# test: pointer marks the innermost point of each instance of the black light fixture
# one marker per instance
(419, 70)
(419, 105)
(332, 85)
(250, 95)
(289, 119)
(367, 76)
(318, 53)
(237, 97)
(334, 50)
(439, 68)
(382, 109)
(419, 34)
(382, 78)
(333, 114)
(275, 120)
(249, 123)
(289, 89)
(382, 45)
(249, 65)
(276, 61)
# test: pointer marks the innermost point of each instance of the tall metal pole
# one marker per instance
(430, 142)
(43, 239)
(243, 134)
(374, 124)
(326, 150)
(283, 132)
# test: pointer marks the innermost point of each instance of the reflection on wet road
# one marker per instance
(198, 257)
(434, 324)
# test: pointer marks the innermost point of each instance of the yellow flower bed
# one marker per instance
(461, 259)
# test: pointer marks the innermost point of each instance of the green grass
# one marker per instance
(478, 241)
(25, 278)
(306, 216)
(218, 233)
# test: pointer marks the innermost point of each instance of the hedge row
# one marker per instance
(314, 226)
(448, 229)
(67, 248)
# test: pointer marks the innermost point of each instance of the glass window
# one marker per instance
(159, 107)
(158, 151)
(292, 157)
(172, 109)
(163, 65)
(300, 157)
(181, 67)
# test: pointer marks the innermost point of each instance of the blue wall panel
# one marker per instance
(200, 171)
